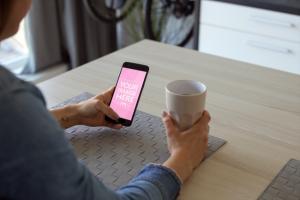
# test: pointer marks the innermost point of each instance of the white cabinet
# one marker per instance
(262, 37)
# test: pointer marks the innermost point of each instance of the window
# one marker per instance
(14, 51)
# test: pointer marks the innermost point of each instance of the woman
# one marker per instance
(37, 162)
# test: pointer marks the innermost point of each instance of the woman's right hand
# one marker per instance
(187, 148)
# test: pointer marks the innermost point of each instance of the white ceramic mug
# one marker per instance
(185, 100)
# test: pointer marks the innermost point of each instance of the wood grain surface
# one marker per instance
(257, 110)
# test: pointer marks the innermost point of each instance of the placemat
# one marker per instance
(286, 185)
(115, 156)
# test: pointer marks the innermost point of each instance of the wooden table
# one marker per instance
(257, 110)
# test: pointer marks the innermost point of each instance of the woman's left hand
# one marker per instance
(91, 112)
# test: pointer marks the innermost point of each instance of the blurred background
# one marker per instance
(60, 35)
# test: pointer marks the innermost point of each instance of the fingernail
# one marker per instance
(164, 114)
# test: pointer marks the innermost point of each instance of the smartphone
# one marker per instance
(128, 90)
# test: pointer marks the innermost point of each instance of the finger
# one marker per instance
(110, 90)
(206, 130)
(115, 126)
(107, 93)
(206, 141)
(201, 123)
(205, 117)
(168, 122)
(106, 110)
(206, 135)
(206, 148)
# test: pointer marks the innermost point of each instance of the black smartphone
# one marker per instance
(127, 93)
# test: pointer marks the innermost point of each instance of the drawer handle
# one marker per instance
(273, 22)
(269, 47)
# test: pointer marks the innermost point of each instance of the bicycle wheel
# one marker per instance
(169, 21)
(110, 11)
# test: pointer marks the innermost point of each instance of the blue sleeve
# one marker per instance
(153, 182)
(37, 162)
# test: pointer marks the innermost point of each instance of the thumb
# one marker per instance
(106, 110)
(169, 124)
(205, 118)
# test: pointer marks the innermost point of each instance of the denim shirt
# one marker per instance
(37, 161)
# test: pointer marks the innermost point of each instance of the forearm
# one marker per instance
(66, 116)
(179, 164)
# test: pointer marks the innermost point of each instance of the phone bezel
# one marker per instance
(135, 66)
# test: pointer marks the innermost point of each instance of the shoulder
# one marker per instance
(10, 84)
(6, 78)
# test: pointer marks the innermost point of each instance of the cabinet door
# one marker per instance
(260, 50)
(252, 20)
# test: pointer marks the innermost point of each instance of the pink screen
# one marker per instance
(127, 92)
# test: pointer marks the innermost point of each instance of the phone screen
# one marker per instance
(127, 92)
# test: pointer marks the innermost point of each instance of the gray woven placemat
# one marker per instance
(115, 156)
(286, 185)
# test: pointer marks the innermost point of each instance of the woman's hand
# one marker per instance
(91, 112)
(187, 148)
